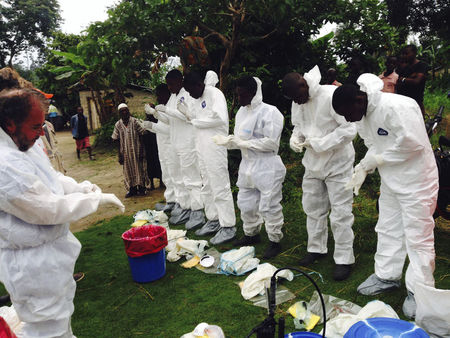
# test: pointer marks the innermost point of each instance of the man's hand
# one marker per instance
(296, 145)
(87, 187)
(222, 140)
(112, 199)
(370, 162)
(161, 108)
(357, 180)
(121, 159)
(149, 110)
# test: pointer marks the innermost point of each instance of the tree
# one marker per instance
(25, 24)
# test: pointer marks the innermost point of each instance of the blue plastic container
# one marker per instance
(385, 327)
(304, 334)
(149, 267)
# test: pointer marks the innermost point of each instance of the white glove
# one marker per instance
(295, 144)
(358, 178)
(222, 140)
(240, 143)
(183, 108)
(111, 199)
(147, 125)
(161, 108)
(370, 162)
(87, 187)
(149, 110)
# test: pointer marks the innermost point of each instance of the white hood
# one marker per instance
(312, 78)
(372, 86)
(211, 78)
(257, 99)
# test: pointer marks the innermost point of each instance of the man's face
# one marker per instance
(26, 134)
(391, 63)
(162, 97)
(408, 55)
(299, 91)
(80, 111)
(244, 96)
(354, 111)
(174, 85)
(195, 90)
(124, 114)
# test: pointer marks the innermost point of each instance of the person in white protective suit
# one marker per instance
(394, 132)
(182, 139)
(166, 154)
(37, 250)
(328, 162)
(209, 116)
(257, 134)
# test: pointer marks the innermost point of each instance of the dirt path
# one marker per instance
(106, 172)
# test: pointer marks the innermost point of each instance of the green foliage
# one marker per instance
(103, 134)
(25, 24)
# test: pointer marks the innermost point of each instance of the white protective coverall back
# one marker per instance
(37, 250)
(261, 172)
(182, 138)
(393, 127)
(328, 167)
(210, 118)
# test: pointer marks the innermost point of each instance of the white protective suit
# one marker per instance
(210, 118)
(328, 166)
(393, 129)
(261, 172)
(167, 158)
(182, 139)
(37, 250)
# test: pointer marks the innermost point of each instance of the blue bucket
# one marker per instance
(380, 327)
(304, 334)
(149, 267)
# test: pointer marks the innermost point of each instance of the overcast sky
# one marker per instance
(78, 14)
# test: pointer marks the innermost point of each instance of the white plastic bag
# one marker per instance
(238, 262)
(259, 280)
(9, 314)
(433, 310)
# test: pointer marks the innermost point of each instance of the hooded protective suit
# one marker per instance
(37, 250)
(394, 133)
(210, 117)
(182, 139)
(328, 165)
(165, 153)
(257, 131)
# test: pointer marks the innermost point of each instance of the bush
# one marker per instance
(103, 135)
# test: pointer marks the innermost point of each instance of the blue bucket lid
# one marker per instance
(385, 327)
(302, 334)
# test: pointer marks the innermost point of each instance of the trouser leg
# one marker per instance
(191, 177)
(272, 211)
(341, 218)
(418, 224)
(391, 249)
(248, 202)
(316, 206)
(207, 194)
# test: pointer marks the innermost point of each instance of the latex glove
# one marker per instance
(112, 199)
(370, 162)
(240, 143)
(222, 140)
(149, 110)
(295, 144)
(161, 108)
(357, 180)
(183, 108)
(87, 187)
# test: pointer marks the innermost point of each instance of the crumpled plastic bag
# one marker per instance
(186, 247)
(333, 306)
(433, 310)
(238, 261)
(204, 330)
(9, 314)
(152, 217)
(303, 317)
(172, 237)
(338, 326)
(257, 282)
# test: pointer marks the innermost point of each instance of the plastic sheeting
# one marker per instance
(144, 240)
(9, 314)
(333, 306)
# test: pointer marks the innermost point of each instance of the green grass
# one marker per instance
(108, 303)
